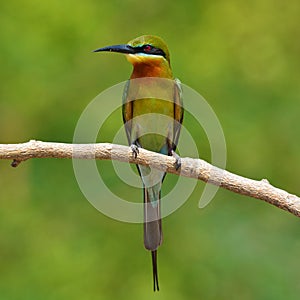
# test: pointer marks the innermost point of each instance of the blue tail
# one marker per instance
(152, 226)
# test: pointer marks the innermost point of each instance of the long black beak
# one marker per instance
(117, 48)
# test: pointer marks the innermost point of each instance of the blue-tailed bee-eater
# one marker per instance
(150, 58)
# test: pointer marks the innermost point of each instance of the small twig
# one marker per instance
(15, 163)
(192, 168)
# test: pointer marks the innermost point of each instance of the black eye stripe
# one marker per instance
(148, 49)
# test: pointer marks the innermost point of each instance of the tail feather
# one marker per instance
(155, 273)
(152, 221)
(152, 227)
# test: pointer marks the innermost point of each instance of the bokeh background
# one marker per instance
(243, 57)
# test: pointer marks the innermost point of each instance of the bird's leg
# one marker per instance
(178, 159)
(135, 148)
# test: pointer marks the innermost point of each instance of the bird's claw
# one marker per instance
(135, 150)
(177, 160)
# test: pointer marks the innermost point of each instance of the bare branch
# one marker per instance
(192, 168)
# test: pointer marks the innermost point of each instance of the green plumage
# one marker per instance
(152, 114)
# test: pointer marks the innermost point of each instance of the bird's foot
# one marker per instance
(177, 160)
(135, 150)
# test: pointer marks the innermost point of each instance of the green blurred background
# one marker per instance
(243, 57)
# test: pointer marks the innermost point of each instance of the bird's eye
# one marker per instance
(147, 48)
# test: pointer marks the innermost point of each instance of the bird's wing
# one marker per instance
(178, 111)
(127, 109)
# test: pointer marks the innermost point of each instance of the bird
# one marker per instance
(151, 123)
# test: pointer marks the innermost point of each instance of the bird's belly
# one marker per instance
(153, 120)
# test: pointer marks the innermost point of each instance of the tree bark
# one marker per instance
(192, 168)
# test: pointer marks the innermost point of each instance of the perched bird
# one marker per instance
(151, 123)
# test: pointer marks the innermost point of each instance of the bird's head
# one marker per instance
(144, 49)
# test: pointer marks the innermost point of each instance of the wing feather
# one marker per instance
(127, 111)
(178, 111)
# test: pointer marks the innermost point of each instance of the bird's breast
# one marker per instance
(153, 120)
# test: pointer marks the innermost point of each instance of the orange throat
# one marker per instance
(150, 70)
